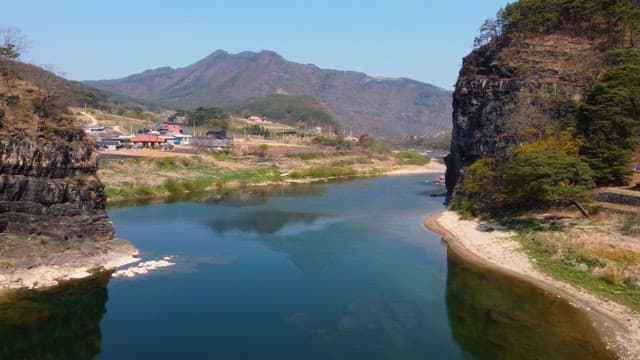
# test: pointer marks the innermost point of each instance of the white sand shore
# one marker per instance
(76, 266)
(618, 325)
(433, 167)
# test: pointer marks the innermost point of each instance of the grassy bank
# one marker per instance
(152, 177)
(412, 158)
(598, 254)
(145, 178)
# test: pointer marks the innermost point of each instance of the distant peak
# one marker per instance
(269, 53)
(219, 52)
(247, 54)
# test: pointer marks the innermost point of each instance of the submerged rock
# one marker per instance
(144, 267)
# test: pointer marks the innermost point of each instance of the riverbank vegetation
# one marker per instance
(140, 178)
(147, 177)
(586, 252)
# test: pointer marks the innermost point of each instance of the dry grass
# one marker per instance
(602, 245)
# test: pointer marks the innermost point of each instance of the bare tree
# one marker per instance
(12, 44)
(490, 29)
(49, 83)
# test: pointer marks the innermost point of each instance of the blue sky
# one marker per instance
(86, 40)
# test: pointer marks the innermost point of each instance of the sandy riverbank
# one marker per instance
(618, 325)
(54, 268)
(433, 167)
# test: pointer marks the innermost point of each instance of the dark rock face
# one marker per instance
(53, 219)
(51, 189)
(482, 93)
(511, 91)
(69, 155)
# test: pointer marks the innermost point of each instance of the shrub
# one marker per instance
(166, 163)
(323, 172)
(412, 158)
(479, 179)
(263, 150)
(172, 186)
(198, 184)
(545, 178)
(143, 190)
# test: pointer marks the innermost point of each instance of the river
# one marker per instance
(341, 270)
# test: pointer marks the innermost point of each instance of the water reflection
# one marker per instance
(373, 329)
(274, 222)
(63, 323)
(244, 196)
(261, 195)
(289, 232)
(490, 320)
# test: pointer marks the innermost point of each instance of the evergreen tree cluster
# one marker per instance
(609, 120)
(616, 21)
(206, 116)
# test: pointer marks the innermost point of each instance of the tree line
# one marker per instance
(614, 22)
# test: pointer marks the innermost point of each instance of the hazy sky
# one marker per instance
(89, 40)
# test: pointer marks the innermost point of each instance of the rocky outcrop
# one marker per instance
(51, 189)
(53, 219)
(513, 90)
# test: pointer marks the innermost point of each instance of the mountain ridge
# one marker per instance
(394, 107)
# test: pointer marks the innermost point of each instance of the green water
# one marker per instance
(325, 271)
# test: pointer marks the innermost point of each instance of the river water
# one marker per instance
(323, 271)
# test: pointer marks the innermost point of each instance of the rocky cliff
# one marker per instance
(514, 90)
(53, 220)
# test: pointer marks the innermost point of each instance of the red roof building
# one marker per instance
(173, 127)
(149, 141)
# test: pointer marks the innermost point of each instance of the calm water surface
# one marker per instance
(328, 271)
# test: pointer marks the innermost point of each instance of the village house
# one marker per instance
(172, 126)
(149, 141)
(109, 145)
(254, 118)
(217, 134)
(215, 140)
(182, 139)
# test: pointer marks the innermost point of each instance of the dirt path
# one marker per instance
(93, 120)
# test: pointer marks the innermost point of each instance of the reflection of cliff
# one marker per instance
(63, 323)
(490, 320)
(265, 222)
(239, 197)
(293, 233)
(259, 196)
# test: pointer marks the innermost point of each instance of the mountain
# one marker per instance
(73, 93)
(386, 107)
